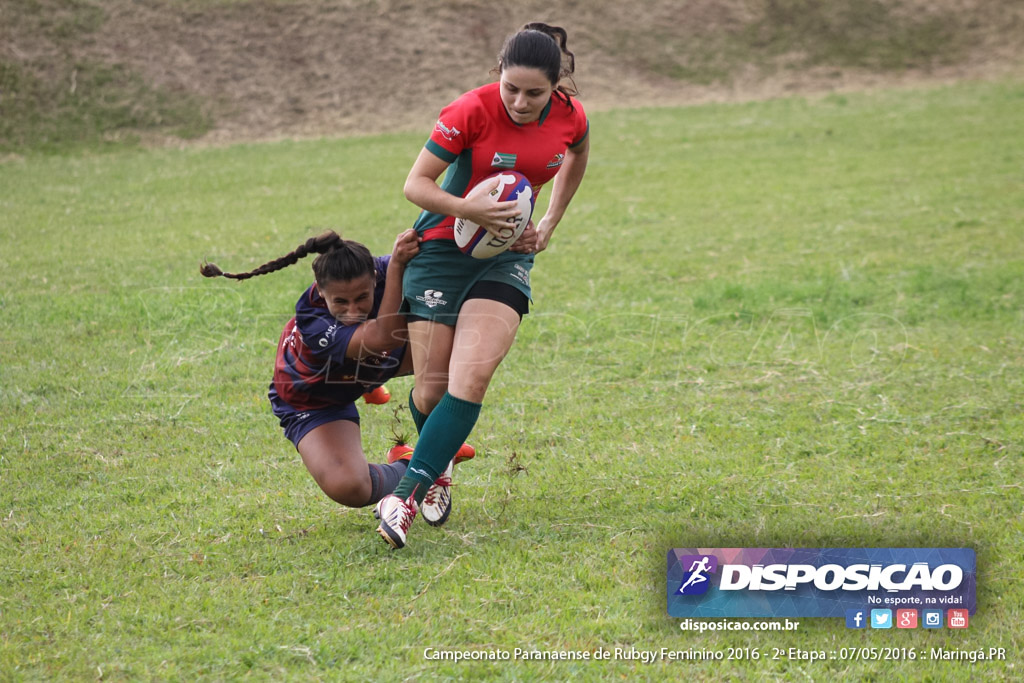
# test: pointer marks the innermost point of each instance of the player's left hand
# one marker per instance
(544, 231)
(527, 242)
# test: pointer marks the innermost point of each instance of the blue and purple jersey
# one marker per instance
(311, 370)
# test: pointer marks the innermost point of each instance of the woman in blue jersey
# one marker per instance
(347, 338)
(464, 312)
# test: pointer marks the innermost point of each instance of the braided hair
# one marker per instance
(543, 47)
(339, 259)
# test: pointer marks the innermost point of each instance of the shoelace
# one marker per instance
(435, 490)
(404, 514)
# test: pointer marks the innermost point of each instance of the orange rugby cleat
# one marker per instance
(403, 451)
(378, 396)
(465, 452)
(398, 452)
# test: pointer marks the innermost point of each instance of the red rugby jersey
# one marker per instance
(477, 137)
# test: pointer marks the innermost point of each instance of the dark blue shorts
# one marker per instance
(297, 423)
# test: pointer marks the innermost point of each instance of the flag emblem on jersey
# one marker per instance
(503, 160)
(556, 161)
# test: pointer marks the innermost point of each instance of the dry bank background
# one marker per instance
(78, 72)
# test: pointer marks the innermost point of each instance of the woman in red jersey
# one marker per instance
(463, 313)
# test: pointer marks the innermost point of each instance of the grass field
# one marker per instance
(788, 323)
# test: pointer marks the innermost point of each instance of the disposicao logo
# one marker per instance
(697, 579)
(818, 582)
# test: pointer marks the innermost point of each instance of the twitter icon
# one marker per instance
(881, 618)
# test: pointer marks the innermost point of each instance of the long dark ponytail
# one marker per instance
(540, 46)
(339, 259)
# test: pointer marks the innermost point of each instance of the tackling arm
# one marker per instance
(387, 330)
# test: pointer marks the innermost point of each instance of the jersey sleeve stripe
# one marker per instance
(440, 152)
(583, 137)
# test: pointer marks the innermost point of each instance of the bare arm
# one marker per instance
(387, 330)
(563, 189)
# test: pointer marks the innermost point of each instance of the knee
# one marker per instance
(470, 385)
(345, 489)
(427, 396)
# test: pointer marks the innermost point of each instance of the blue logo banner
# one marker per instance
(819, 582)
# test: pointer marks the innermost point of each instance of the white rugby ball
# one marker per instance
(478, 242)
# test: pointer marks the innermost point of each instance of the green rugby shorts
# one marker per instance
(438, 278)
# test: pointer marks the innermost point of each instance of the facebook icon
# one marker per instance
(856, 618)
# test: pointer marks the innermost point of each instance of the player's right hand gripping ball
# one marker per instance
(478, 242)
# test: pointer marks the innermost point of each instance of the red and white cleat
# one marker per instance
(395, 517)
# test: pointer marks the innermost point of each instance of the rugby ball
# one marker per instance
(478, 242)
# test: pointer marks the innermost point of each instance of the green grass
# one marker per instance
(788, 323)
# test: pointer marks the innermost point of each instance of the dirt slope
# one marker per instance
(274, 68)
